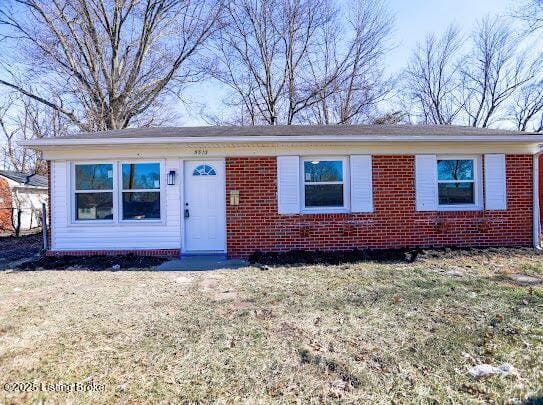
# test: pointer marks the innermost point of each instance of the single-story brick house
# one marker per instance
(235, 190)
(21, 199)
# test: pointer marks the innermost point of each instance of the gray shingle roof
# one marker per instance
(295, 130)
(34, 180)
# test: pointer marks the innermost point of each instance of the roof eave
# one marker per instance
(67, 141)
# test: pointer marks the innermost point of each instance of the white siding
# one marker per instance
(361, 184)
(77, 236)
(495, 189)
(288, 184)
(426, 182)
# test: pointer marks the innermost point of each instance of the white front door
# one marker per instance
(204, 207)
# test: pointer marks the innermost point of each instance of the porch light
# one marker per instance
(171, 177)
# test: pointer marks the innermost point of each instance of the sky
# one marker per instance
(413, 20)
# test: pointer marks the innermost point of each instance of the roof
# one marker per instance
(288, 133)
(33, 180)
(294, 130)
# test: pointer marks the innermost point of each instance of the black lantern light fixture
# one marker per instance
(171, 177)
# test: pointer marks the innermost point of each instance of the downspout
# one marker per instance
(536, 219)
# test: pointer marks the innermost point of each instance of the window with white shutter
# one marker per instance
(426, 182)
(288, 184)
(361, 184)
(495, 182)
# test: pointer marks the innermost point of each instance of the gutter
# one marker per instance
(536, 202)
(73, 141)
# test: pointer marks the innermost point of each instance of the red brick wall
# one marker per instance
(256, 225)
(6, 224)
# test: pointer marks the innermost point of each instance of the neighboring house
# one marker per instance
(21, 199)
(236, 190)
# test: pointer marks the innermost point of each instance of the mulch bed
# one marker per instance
(296, 257)
(93, 262)
(403, 255)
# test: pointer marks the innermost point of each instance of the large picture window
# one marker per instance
(456, 180)
(93, 192)
(323, 183)
(140, 191)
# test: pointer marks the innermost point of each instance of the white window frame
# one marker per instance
(117, 194)
(346, 185)
(160, 190)
(477, 184)
(73, 193)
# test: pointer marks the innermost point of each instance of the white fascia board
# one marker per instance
(53, 142)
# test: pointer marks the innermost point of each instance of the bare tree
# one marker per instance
(431, 79)
(527, 109)
(493, 72)
(531, 12)
(262, 49)
(22, 119)
(106, 64)
(359, 82)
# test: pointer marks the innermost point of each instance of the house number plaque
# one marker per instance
(200, 152)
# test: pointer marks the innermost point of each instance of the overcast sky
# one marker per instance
(413, 20)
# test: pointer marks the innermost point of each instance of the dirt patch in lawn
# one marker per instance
(13, 249)
(351, 333)
(105, 262)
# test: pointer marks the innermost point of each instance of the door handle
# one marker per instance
(187, 213)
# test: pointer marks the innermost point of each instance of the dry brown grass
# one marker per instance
(361, 332)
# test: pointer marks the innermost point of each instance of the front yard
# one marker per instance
(356, 332)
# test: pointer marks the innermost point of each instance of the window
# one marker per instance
(324, 183)
(93, 192)
(204, 170)
(140, 191)
(456, 182)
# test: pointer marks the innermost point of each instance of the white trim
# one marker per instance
(536, 225)
(161, 190)
(346, 186)
(477, 184)
(71, 186)
(64, 141)
(117, 194)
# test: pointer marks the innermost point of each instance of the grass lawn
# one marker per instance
(358, 332)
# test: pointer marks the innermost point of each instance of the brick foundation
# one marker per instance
(141, 252)
(255, 224)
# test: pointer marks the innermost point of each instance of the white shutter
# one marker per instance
(426, 182)
(288, 184)
(495, 191)
(361, 184)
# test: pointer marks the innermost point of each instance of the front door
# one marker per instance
(204, 206)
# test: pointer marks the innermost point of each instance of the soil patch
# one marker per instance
(104, 262)
(296, 257)
(13, 249)
(401, 255)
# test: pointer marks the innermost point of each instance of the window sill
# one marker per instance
(449, 208)
(83, 224)
(325, 211)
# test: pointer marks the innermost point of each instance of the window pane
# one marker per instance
(456, 193)
(324, 195)
(141, 205)
(94, 177)
(316, 171)
(455, 169)
(141, 176)
(93, 206)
